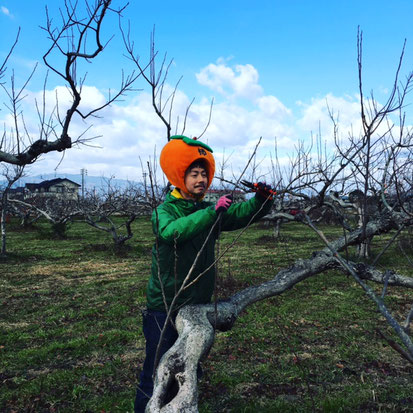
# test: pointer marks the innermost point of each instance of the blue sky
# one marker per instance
(270, 66)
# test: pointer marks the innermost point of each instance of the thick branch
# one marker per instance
(36, 149)
(196, 333)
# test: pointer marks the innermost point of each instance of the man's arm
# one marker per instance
(240, 214)
(171, 228)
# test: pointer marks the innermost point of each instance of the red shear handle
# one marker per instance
(261, 188)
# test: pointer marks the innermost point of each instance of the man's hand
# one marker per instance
(223, 203)
(264, 190)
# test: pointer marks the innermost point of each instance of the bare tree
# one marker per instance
(77, 39)
(12, 174)
(27, 215)
(113, 210)
(162, 97)
(59, 212)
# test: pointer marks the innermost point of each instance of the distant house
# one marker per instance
(214, 194)
(61, 188)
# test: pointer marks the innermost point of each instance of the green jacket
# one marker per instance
(182, 227)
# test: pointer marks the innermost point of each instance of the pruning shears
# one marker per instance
(258, 187)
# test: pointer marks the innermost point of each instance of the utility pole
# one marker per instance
(144, 183)
(83, 172)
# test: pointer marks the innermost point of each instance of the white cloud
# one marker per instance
(5, 11)
(233, 124)
(316, 116)
(91, 98)
(130, 131)
(238, 82)
(272, 107)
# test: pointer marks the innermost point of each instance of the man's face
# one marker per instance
(196, 181)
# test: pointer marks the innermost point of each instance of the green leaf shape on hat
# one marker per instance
(192, 142)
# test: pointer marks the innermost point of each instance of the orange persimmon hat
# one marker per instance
(179, 153)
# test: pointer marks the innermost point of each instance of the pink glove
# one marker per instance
(223, 203)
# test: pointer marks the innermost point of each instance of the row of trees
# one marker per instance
(375, 165)
(111, 210)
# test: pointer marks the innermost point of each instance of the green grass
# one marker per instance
(71, 340)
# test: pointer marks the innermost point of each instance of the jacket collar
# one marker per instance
(176, 194)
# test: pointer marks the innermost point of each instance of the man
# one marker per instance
(183, 254)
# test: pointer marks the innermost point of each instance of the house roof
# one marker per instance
(47, 184)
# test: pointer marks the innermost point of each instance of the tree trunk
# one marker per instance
(3, 228)
(3, 221)
(277, 229)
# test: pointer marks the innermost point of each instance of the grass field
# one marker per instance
(70, 329)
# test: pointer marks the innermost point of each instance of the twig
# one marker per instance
(369, 292)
